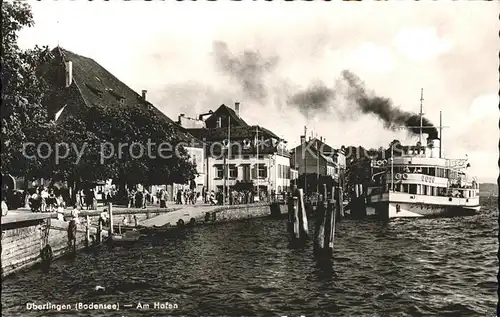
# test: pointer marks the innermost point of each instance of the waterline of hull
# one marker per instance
(390, 210)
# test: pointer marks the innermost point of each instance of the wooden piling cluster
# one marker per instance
(297, 217)
(327, 213)
(358, 206)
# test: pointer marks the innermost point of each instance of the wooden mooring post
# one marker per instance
(338, 195)
(99, 231)
(110, 215)
(358, 206)
(297, 217)
(87, 231)
(325, 225)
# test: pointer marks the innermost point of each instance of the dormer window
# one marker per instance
(118, 97)
(94, 90)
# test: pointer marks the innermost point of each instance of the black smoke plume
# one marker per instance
(383, 108)
(248, 68)
(317, 97)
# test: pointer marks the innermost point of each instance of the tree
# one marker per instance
(112, 142)
(22, 112)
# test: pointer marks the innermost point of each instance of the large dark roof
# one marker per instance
(97, 86)
(225, 110)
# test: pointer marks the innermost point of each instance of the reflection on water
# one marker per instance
(440, 267)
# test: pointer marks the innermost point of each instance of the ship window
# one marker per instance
(432, 171)
(413, 188)
(425, 170)
(405, 188)
(440, 172)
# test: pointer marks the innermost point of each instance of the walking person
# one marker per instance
(179, 197)
(163, 198)
(145, 198)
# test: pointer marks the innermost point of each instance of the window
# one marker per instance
(219, 171)
(122, 101)
(262, 171)
(405, 188)
(194, 159)
(413, 188)
(94, 90)
(233, 171)
(432, 171)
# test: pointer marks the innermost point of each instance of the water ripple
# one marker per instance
(417, 267)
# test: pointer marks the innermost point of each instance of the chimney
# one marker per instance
(144, 92)
(237, 108)
(180, 117)
(69, 73)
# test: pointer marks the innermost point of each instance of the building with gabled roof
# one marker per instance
(77, 82)
(314, 156)
(223, 115)
(268, 166)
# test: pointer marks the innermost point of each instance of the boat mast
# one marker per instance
(440, 133)
(392, 167)
(421, 114)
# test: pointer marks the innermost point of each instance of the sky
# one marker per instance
(193, 56)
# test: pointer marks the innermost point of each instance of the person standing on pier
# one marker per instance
(5, 209)
(145, 198)
(131, 196)
(51, 201)
(43, 196)
(179, 197)
(163, 199)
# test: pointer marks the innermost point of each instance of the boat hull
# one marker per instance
(395, 205)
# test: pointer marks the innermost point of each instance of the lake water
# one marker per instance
(415, 267)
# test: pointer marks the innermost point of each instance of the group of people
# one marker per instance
(86, 198)
(46, 200)
(138, 198)
(234, 197)
(187, 197)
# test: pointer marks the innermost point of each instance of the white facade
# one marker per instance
(198, 158)
(274, 172)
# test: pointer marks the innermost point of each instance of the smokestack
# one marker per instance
(69, 73)
(237, 108)
(144, 92)
(302, 139)
(433, 144)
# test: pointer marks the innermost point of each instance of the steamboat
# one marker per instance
(417, 181)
